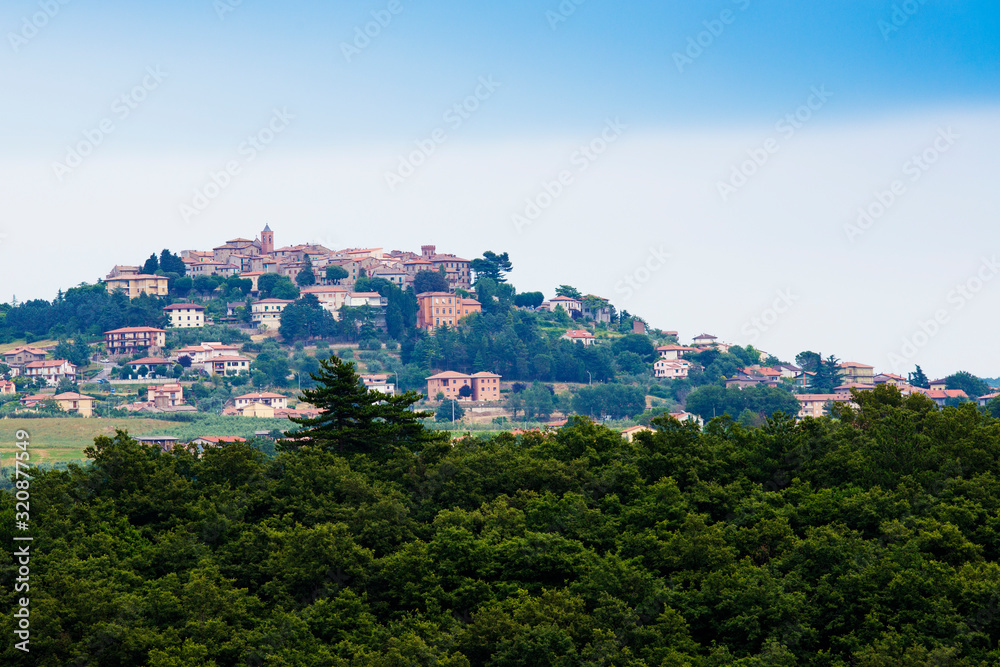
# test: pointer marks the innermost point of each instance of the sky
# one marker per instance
(792, 176)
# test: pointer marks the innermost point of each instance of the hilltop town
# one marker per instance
(237, 330)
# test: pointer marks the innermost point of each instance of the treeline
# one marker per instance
(871, 541)
(87, 309)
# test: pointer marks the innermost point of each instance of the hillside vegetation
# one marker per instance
(869, 540)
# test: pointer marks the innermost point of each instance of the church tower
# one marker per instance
(266, 241)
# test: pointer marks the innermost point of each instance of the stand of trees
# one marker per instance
(871, 541)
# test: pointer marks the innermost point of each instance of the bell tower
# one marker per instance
(266, 241)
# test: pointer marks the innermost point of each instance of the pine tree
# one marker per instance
(918, 379)
(355, 419)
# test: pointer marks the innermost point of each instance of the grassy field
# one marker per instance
(38, 343)
(62, 439)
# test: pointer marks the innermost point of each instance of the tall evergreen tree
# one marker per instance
(355, 419)
(918, 379)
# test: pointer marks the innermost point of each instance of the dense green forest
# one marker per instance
(866, 539)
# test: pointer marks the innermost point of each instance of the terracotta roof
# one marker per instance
(448, 375)
(50, 363)
(263, 394)
(184, 306)
(72, 396)
(135, 330)
(853, 364)
(578, 333)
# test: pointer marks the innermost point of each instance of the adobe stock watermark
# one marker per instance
(580, 161)
(248, 151)
(454, 117)
(562, 13)
(768, 317)
(915, 167)
(957, 299)
(30, 26)
(633, 281)
(714, 28)
(121, 108)
(786, 127)
(223, 7)
(363, 35)
(899, 17)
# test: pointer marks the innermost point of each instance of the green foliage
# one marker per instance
(356, 419)
(972, 386)
(616, 401)
(305, 277)
(429, 281)
(528, 299)
(714, 401)
(492, 266)
(449, 411)
(276, 286)
(335, 273)
(918, 379)
(568, 291)
(870, 541)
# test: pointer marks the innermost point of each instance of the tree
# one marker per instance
(429, 281)
(356, 420)
(447, 410)
(973, 386)
(918, 379)
(529, 299)
(171, 263)
(276, 286)
(492, 266)
(828, 376)
(465, 391)
(305, 277)
(335, 273)
(808, 361)
(152, 265)
(567, 291)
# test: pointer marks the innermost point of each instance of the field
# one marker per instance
(58, 439)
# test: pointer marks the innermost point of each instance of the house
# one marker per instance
(815, 405)
(579, 336)
(941, 396)
(982, 400)
(667, 368)
(257, 410)
(130, 339)
(688, 417)
(457, 270)
(569, 304)
(22, 355)
(205, 351)
(630, 432)
(889, 378)
(705, 340)
(266, 398)
(440, 309)
(379, 382)
(742, 379)
(52, 371)
(673, 352)
(138, 284)
(165, 395)
(266, 313)
(71, 401)
(597, 309)
(216, 440)
(164, 442)
(67, 401)
(940, 384)
(483, 386)
(854, 372)
(844, 390)
(226, 365)
(154, 364)
(185, 315)
(7, 388)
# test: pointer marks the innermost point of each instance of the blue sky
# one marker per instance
(895, 79)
